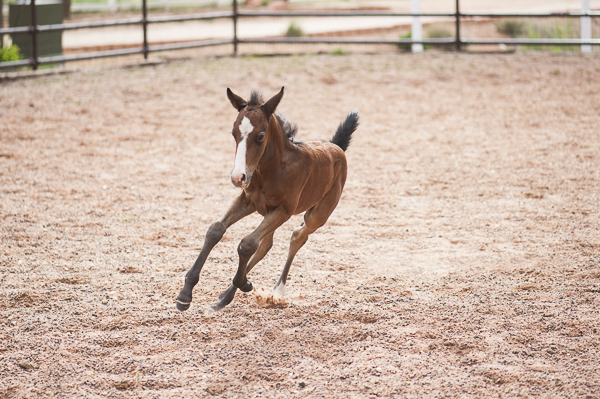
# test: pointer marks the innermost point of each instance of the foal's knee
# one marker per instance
(247, 247)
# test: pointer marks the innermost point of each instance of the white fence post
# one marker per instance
(586, 26)
(112, 5)
(417, 28)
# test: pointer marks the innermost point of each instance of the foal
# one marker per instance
(279, 177)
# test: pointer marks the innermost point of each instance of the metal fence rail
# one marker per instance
(457, 41)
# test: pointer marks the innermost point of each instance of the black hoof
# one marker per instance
(224, 299)
(215, 307)
(182, 306)
(228, 294)
(247, 287)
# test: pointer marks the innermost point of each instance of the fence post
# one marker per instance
(34, 28)
(417, 27)
(457, 16)
(1, 23)
(145, 27)
(235, 17)
(586, 26)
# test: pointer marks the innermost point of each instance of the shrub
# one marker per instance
(438, 32)
(511, 27)
(405, 46)
(10, 53)
(294, 31)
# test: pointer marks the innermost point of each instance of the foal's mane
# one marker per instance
(289, 129)
(256, 99)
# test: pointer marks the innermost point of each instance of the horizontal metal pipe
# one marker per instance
(335, 40)
(115, 53)
(441, 41)
(14, 64)
(559, 42)
(89, 56)
(574, 14)
(191, 17)
(120, 22)
(92, 24)
(181, 46)
(16, 29)
(245, 13)
(76, 25)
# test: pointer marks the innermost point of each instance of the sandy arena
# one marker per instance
(462, 261)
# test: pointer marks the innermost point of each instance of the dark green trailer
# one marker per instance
(47, 13)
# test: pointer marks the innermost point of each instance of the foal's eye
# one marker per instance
(261, 137)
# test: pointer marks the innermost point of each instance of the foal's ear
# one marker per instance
(238, 102)
(270, 106)
(274, 125)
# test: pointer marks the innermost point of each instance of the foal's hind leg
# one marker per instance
(299, 238)
(314, 218)
(227, 296)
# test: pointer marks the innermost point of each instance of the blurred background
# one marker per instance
(207, 26)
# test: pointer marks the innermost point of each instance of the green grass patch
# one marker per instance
(431, 32)
(551, 28)
(338, 51)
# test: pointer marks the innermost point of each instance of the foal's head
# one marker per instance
(250, 133)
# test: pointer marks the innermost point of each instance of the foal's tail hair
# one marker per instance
(343, 135)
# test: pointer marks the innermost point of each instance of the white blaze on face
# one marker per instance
(239, 168)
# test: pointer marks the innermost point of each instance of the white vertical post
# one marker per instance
(586, 26)
(112, 5)
(417, 28)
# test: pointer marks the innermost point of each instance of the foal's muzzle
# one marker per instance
(241, 181)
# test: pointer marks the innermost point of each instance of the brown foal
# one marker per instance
(279, 177)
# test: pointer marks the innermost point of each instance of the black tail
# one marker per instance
(343, 135)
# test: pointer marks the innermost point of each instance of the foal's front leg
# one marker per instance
(249, 244)
(227, 295)
(238, 209)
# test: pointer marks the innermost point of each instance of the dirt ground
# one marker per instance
(462, 261)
